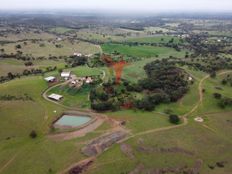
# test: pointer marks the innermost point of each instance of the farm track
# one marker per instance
(184, 117)
(8, 162)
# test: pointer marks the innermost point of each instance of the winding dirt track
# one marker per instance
(185, 120)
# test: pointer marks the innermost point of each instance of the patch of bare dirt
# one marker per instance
(127, 150)
(80, 168)
(138, 170)
(100, 144)
(149, 149)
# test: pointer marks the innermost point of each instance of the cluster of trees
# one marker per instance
(207, 64)
(19, 56)
(164, 77)
(223, 101)
(95, 61)
(77, 60)
(8, 97)
(227, 80)
(26, 72)
(28, 63)
(164, 83)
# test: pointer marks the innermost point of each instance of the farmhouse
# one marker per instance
(55, 97)
(50, 79)
(66, 75)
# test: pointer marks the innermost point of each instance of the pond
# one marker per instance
(73, 121)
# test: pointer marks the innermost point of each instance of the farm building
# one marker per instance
(190, 78)
(89, 80)
(55, 97)
(50, 79)
(66, 75)
(77, 54)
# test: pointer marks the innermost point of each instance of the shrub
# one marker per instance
(174, 119)
(217, 95)
(33, 134)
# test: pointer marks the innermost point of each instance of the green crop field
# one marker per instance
(157, 39)
(142, 51)
(61, 30)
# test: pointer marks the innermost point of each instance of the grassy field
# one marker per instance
(194, 138)
(134, 71)
(157, 39)
(19, 118)
(73, 97)
(86, 35)
(82, 71)
(142, 51)
(211, 86)
(49, 48)
(27, 35)
(17, 66)
(61, 30)
(133, 118)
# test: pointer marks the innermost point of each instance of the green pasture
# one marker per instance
(142, 51)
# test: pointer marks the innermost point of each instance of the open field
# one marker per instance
(61, 30)
(142, 51)
(17, 66)
(27, 35)
(157, 39)
(194, 138)
(65, 48)
(19, 118)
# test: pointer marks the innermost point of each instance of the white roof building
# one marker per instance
(55, 97)
(77, 54)
(65, 74)
(73, 82)
(50, 79)
(190, 78)
(89, 80)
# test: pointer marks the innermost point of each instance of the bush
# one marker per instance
(217, 95)
(174, 119)
(33, 134)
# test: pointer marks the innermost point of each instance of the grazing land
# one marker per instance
(145, 82)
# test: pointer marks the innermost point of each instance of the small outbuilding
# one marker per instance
(88, 80)
(50, 79)
(77, 54)
(55, 97)
(66, 75)
(190, 78)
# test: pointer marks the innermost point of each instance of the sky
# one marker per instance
(121, 5)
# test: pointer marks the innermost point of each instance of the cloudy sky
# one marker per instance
(123, 5)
